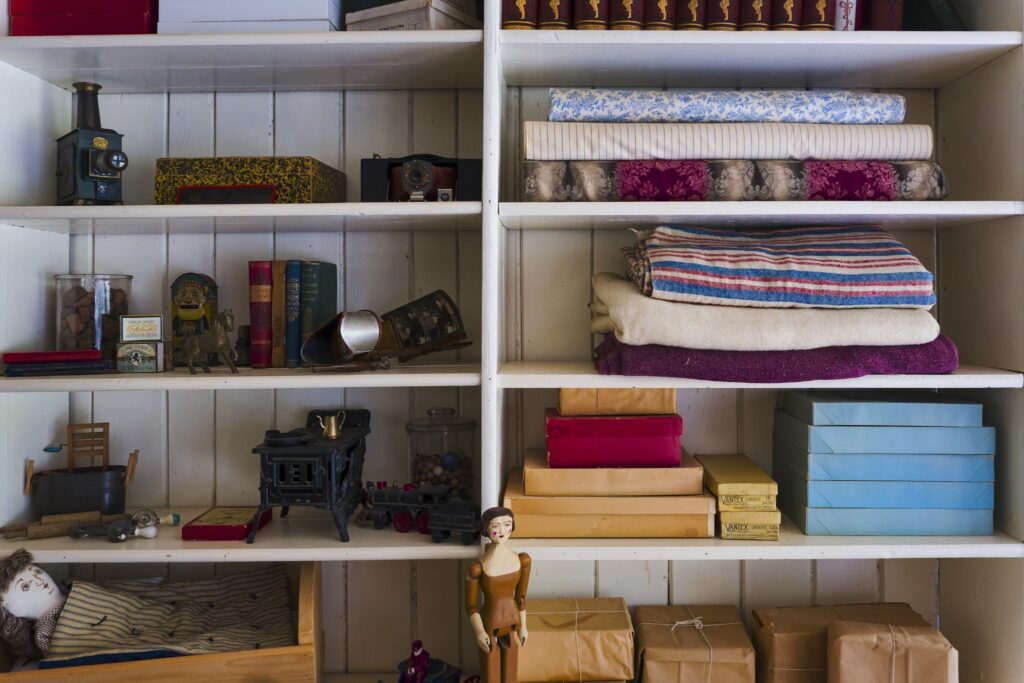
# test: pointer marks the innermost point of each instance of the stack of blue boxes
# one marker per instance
(884, 464)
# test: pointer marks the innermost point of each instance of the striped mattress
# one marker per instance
(826, 267)
(546, 141)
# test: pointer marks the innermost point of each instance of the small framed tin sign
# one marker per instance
(142, 328)
(140, 357)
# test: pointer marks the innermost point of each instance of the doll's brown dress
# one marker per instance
(504, 597)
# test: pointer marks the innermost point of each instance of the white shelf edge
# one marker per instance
(453, 375)
(558, 374)
(1008, 39)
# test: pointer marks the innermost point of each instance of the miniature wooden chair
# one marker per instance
(88, 440)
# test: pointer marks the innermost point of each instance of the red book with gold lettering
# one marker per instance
(787, 15)
(261, 333)
(627, 15)
(723, 15)
(660, 15)
(691, 15)
(554, 14)
(819, 15)
(519, 15)
(885, 15)
(591, 15)
(755, 15)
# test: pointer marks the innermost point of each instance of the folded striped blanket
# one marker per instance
(822, 267)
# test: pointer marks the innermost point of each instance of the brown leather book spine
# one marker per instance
(591, 15)
(819, 15)
(554, 15)
(627, 15)
(787, 15)
(660, 15)
(755, 15)
(277, 315)
(691, 15)
(723, 15)
(519, 15)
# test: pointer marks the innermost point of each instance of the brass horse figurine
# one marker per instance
(214, 340)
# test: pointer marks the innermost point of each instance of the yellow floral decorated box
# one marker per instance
(247, 180)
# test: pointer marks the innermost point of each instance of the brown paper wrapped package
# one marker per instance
(589, 639)
(671, 647)
(572, 402)
(889, 654)
(792, 642)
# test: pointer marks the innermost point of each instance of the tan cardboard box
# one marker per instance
(572, 402)
(541, 480)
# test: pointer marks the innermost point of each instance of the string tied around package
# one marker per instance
(697, 622)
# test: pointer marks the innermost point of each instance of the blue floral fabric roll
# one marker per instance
(725, 106)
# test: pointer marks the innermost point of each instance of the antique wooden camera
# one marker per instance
(90, 160)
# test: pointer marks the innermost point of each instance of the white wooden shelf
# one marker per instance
(792, 545)
(618, 215)
(246, 61)
(869, 59)
(453, 375)
(306, 535)
(245, 218)
(569, 374)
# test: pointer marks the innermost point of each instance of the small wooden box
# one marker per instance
(247, 180)
(301, 663)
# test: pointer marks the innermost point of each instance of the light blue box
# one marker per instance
(888, 522)
(884, 466)
(936, 440)
(892, 409)
(905, 495)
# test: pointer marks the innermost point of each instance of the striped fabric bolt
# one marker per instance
(559, 141)
(818, 267)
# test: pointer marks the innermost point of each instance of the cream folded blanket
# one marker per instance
(636, 319)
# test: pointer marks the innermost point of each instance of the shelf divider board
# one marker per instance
(622, 215)
(245, 218)
(558, 374)
(868, 59)
(384, 60)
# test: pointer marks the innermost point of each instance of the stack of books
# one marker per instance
(288, 300)
(613, 473)
(42, 363)
(884, 464)
(746, 498)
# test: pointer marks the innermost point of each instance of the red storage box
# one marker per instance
(80, 7)
(613, 440)
(82, 17)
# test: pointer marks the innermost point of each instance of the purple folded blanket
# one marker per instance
(612, 357)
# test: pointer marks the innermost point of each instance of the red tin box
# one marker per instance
(613, 441)
(224, 524)
(80, 7)
(82, 24)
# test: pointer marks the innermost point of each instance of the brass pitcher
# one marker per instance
(333, 424)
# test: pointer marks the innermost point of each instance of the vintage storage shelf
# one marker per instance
(868, 59)
(244, 218)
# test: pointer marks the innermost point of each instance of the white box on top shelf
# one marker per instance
(290, 26)
(250, 10)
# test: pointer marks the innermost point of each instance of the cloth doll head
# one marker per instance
(26, 594)
(497, 524)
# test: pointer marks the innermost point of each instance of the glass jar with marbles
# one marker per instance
(441, 450)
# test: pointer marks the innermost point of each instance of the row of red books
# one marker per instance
(714, 15)
(82, 17)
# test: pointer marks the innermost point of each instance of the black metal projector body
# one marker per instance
(90, 159)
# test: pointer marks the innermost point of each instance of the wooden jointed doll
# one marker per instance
(502, 576)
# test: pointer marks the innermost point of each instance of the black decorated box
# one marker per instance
(247, 180)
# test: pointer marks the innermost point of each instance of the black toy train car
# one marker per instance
(427, 508)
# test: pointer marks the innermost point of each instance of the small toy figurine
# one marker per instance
(193, 307)
(214, 341)
(503, 577)
(30, 602)
(420, 668)
(419, 661)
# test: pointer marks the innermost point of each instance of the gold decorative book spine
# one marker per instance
(755, 15)
(819, 15)
(723, 15)
(555, 15)
(691, 15)
(519, 15)
(627, 15)
(590, 15)
(660, 15)
(277, 315)
(787, 15)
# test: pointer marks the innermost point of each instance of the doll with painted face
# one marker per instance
(30, 602)
(502, 576)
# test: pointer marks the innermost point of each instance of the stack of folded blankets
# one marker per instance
(768, 306)
(614, 468)
(727, 145)
(884, 465)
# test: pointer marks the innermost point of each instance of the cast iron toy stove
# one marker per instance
(307, 467)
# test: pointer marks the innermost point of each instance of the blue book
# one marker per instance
(886, 409)
(937, 440)
(884, 466)
(848, 522)
(906, 495)
(292, 313)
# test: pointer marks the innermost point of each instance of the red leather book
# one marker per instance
(691, 15)
(755, 15)
(32, 7)
(83, 24)
(660, 15)
(591, 15)
(787, 15)
(554, 15)
(278, 321)
(627, 15)
(16, 358)
(224, 524)
(613, 440)
(819, 15)
(885, 15)
(519, 15)
(260, 325)
(723, 15)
